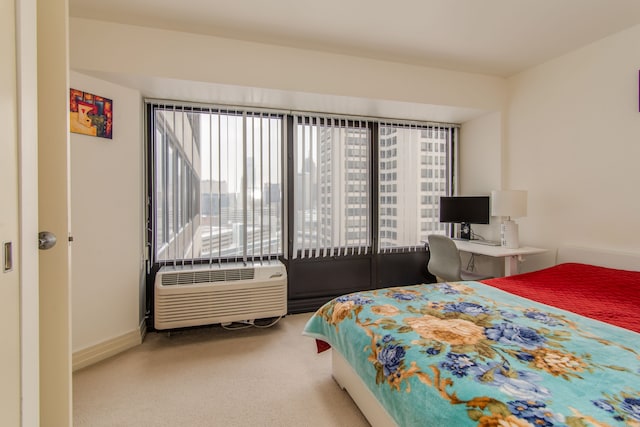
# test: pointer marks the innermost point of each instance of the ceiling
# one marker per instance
(493, 37)
(496, 37)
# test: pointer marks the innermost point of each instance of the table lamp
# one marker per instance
(509, 204)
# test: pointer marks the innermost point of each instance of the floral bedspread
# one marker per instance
(467, 354)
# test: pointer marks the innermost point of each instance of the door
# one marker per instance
(53, 213)
(10, 275)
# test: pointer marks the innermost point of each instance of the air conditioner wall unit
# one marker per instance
(203, 295)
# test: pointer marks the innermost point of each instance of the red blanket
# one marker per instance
(605, 294)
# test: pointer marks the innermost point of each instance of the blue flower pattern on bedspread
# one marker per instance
(466, 354)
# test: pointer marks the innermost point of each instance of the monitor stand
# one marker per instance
(465, 231)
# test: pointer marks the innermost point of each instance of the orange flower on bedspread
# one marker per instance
(341, 311)
(451, 331)
(385, 310)
(556, 362)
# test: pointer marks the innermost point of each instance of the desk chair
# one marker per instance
(445, 263)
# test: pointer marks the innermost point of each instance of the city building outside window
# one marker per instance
(217, 180)
(413, 174)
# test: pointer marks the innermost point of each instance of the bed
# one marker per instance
(557, 347)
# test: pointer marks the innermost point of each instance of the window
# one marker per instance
(421, 159)
(217, 187)
(332, 202)
(217, 183)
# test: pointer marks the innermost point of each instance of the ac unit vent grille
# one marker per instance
(207, 276)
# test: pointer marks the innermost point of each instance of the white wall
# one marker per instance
(137, 51)
(573, 141)
(479, 172)
(106, 218)
(480, 155)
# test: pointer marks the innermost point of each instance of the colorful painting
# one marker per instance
(90, 114)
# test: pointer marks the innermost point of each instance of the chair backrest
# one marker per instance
(444, 258)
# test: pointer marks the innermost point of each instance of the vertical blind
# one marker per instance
(332, 194)
(218, 191)
(217, 178)
(176, 170)
(414, 170)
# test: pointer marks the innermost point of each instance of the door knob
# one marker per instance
(46, 240)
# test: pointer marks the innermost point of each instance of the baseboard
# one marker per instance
(94, 354)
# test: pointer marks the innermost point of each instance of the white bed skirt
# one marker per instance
(348, 380)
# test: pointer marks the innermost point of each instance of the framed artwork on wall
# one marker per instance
(90, 114)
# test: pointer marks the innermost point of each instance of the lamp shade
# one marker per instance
(511, 203)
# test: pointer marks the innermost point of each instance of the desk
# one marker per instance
(511, 256)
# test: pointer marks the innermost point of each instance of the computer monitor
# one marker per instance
(465, 210)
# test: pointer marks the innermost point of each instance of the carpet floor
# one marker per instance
(215, 377)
